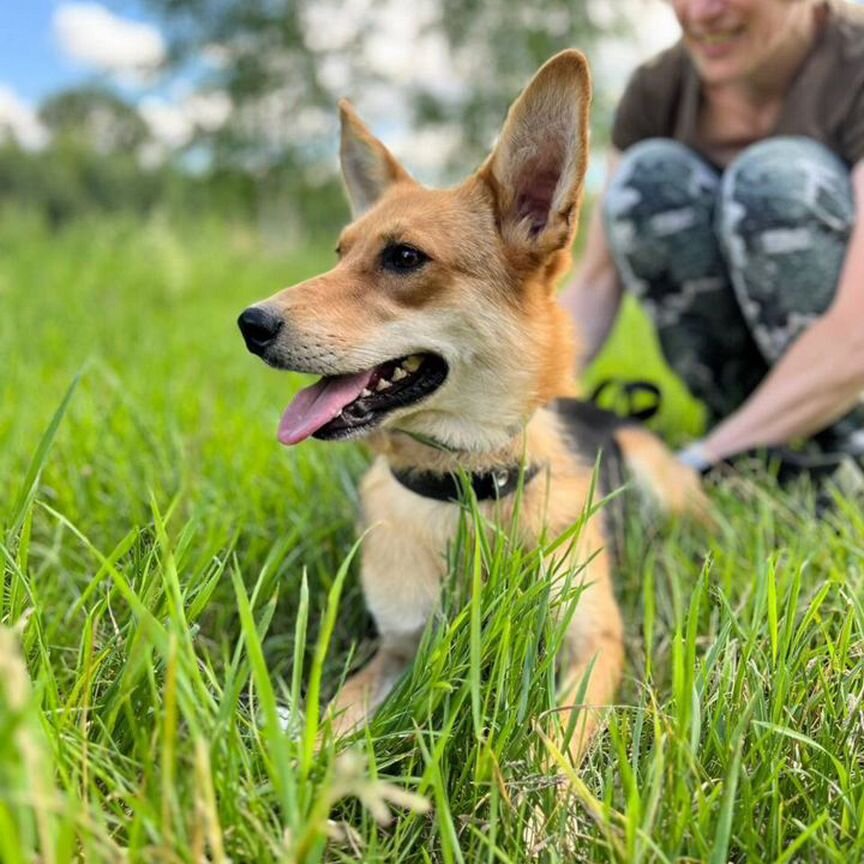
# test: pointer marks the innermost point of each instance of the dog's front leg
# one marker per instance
(601, 660)
(592, 660)
(354, 705)
(401, 576)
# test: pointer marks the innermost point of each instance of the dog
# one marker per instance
(440, 341)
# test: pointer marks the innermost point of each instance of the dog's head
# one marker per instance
(440, 317)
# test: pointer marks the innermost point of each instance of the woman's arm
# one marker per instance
(593, 295)
(819, 378)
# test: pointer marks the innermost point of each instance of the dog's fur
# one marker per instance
(485, 302)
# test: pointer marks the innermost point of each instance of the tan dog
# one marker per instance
(440, 338)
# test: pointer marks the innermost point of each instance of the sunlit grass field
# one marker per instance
(177, 589)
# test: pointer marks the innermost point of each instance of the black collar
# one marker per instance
(446, 487)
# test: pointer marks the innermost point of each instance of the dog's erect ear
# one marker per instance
(368, 167)
(538, 165)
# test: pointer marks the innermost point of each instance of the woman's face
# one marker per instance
(732, 40)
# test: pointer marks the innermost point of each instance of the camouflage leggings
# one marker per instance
(732, 267)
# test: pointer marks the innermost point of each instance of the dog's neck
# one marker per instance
(530, 443)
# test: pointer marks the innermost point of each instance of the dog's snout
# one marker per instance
(259, 327)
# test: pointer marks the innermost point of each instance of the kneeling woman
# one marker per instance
(733, 212)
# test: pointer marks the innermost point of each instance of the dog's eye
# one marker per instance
(402, 258)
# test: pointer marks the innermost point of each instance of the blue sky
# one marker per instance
(32, 62)
(47, 45)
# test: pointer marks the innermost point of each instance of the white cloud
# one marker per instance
(173, 124)
(94, 36)
(208, 111)
(331, 25)
(403, 47)
(167, 121)
(20, 120)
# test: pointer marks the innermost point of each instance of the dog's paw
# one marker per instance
(543, 830)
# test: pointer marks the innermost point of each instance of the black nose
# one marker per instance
(259, 328)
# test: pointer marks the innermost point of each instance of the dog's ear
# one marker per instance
(538, 165)
(368, 167)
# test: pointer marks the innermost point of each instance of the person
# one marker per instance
(732, 211)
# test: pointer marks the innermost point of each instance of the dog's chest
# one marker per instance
(408, 535)
(404, 551)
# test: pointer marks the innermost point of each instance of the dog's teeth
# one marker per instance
(412, 363)
(365, 392)
(383, 384)
(399, 373)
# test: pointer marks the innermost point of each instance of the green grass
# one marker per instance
(173, 582)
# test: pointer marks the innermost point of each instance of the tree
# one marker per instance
(499, 44)
(94, 118)
(277, 59)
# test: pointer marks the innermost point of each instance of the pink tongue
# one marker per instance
(317, 405)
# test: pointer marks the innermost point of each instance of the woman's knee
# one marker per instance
(781, 185)
(662, 196)
(785, 215)
(656, 175)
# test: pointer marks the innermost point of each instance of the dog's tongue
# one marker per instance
(317, 405)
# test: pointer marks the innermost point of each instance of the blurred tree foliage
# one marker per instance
(94, 118)
(503, 42)
(96, 161)
(284, 63)
(272, 57)
(69, 179)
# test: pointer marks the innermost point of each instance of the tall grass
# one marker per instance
(178, 591)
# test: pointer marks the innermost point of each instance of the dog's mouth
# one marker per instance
(347, 406)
